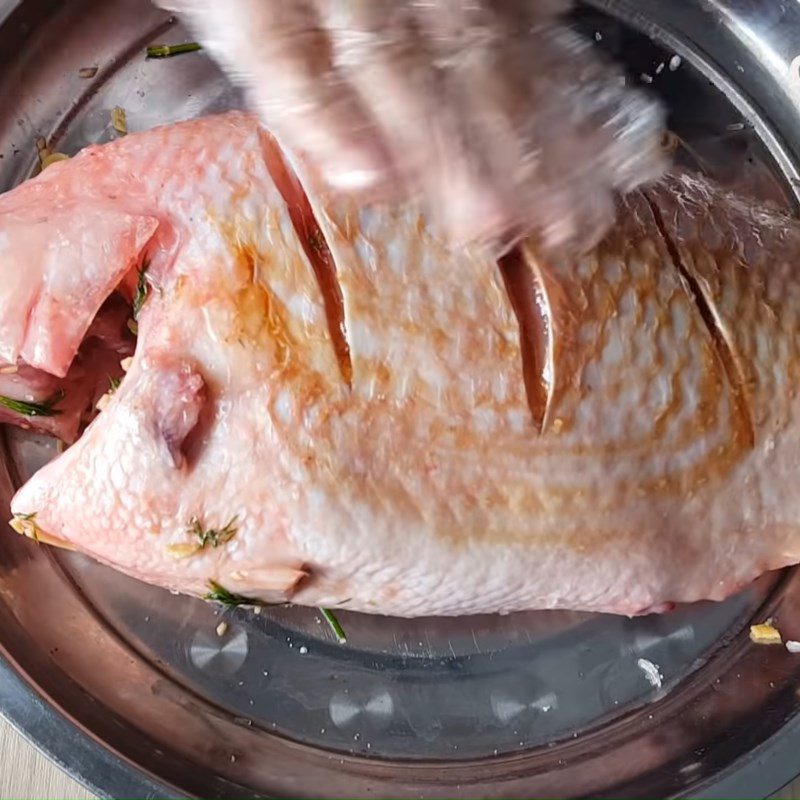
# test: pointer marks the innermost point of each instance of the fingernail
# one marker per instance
(353, 179)
(358, 168)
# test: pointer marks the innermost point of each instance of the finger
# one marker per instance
(376, 49)
(381, 49)
(556, 137)
(479, 154)
(282, 54)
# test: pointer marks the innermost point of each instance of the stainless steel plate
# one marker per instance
(133, 691)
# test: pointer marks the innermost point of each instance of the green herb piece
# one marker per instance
(25, 524)
(44, 409)
(142, 290)
(212, 536)
(219, 594)
(318, 244)
(169, 50)
(113, 384)
(335, 625)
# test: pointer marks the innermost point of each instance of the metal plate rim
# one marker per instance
(59, 739)
(106, 773)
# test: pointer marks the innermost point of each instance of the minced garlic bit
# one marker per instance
(87, 72)
(25, 525)
(126, 363)
(792, 646)
(53, 158)
(119, 120)
(46, 156)
(765, 633)
(183, 550)
(222, 628)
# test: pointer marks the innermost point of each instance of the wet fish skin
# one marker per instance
(418, 482)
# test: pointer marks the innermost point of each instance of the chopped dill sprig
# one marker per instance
(335, 625)
(142, 290)
(169, 50)
(219, 594)
(214, 537)
(317, 243)
(25, 524)
(44, 409)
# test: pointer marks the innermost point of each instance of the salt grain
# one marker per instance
(792, 646)
(675, 62)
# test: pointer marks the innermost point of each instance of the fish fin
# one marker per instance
(68, 259)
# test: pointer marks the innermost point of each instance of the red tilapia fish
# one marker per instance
(327, 406)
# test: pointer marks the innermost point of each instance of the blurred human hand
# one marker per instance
(501, 119)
